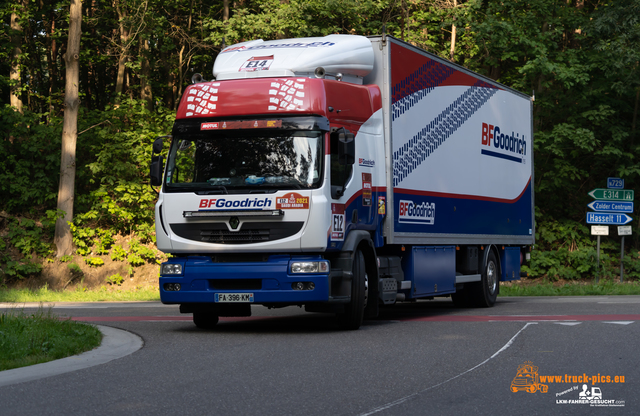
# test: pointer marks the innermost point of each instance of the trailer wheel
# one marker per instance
(353, 313)
(205, 320)
(487, 291)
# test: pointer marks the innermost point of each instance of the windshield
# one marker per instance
(236, 160)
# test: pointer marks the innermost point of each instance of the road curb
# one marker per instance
(116, 343)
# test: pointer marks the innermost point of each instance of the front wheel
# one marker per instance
(353, 314)
(205, 320)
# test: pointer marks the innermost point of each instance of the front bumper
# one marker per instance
(269, 281)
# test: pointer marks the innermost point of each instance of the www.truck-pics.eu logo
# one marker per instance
(411, 213)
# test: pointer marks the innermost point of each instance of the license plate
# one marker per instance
(234, 297)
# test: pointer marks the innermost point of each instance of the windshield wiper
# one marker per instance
(219, 189)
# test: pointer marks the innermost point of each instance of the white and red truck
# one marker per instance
(342, 173)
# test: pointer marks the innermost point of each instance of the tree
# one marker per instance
(16, 40)
(62, 238)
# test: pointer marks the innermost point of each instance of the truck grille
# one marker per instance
(235, 284)
(251, 232)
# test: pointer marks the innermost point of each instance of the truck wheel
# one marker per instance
(205, 320)
(353, 313)
(487, 291)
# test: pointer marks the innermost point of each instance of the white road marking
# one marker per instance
(404, 399)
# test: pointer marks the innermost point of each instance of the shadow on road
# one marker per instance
(320, 323)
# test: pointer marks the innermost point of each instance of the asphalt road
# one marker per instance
(416, 359)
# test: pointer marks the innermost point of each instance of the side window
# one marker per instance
(342, 155)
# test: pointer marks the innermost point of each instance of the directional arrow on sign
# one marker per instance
(612, 194)
(611, 206)
(612, 219)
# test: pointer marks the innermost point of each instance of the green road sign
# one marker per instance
(612, 194)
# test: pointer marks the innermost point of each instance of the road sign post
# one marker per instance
(622, 231)
(599, 230)
(611, 206)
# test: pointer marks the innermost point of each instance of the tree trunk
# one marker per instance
(63, 239)
(634, 120)
(51, 62)
(453, 35)
(14, 74)
(403, 22)
(146, 93)
(123, 55)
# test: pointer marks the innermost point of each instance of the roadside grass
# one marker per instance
(151, 293)
(27, 339)
(148, 293)
(580, 288)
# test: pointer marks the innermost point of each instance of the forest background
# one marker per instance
(579, 58)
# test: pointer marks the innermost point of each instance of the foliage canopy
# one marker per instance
(579, 58)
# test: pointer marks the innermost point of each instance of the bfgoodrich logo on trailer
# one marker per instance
(411, 213)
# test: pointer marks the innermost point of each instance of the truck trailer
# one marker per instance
(342, 173)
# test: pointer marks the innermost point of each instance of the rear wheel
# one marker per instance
(487, 289)
(205, 320)
(353, 314)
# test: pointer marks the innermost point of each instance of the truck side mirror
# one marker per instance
(157, 165)
(346, 147)
(156, 169)
(157, 145)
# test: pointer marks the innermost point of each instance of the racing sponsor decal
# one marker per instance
(493, 136)
(366, 190)
(367, 163)
(292, 200)
(209, 126)
(411, 213)
(224, 203)
(382, 208)
(338, 224)
(296, 45)
(241, 124)
(257, 63)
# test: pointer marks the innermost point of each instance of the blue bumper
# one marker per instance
(269, 281)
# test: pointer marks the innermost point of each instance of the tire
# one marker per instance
(487, 289)
(205, 320)
(353, 314)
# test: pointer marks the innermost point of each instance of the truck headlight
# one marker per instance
(310, 267)
(171, 268)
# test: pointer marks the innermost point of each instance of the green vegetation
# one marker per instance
(102, 294)
(115, 279)
(579, 58)
(27, 339)
(603, 288)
